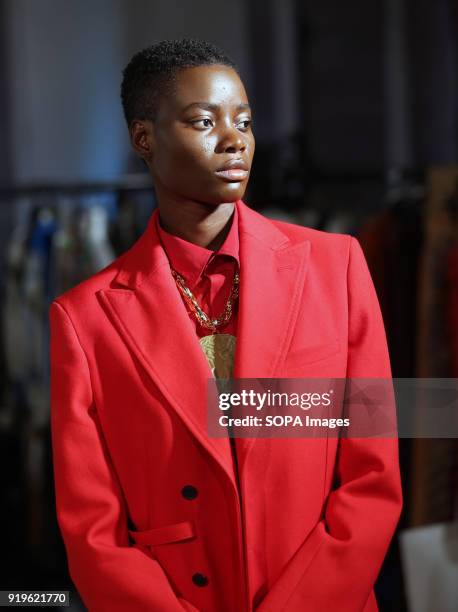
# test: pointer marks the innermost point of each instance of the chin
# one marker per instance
(229, 193)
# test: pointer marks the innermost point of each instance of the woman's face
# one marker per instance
(200, 129)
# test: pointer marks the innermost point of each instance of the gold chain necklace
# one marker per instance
(193, 304)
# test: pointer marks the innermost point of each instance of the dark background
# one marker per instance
(355, 109)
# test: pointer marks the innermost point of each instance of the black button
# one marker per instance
(189, 492)
(200, 579)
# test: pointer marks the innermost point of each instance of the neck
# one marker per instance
(202, 224)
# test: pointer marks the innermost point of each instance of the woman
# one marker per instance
(155, 513)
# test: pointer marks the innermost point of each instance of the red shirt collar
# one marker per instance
(190, 259)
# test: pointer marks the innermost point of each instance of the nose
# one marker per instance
(231, 141)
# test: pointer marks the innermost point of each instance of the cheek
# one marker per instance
(188, 166)
(197, 153)
(250, 146)
(183, 155)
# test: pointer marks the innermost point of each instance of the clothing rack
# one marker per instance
(128, 182)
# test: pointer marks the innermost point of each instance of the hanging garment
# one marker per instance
(434, 461)
(393, 239)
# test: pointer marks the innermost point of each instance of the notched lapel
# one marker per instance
(273, 273)
(271, 285)
(153, 322)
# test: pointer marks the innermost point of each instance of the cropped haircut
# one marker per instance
(151, 73)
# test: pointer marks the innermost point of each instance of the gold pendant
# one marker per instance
(219, 350)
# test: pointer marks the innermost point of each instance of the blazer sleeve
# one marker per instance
(337, 565)
(109, 574)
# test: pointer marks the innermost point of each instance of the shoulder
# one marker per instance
(83, 293)
(323, 245)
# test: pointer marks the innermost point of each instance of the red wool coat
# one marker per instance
(148, 503)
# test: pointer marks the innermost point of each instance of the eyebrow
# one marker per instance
(214, 107)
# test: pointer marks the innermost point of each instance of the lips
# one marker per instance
(232, 175)
(233, 170)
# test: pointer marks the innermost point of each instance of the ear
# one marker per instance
(142, 138)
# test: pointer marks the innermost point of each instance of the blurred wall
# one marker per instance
(5, 170)
(379, 83)
(370, 85)
(432, 35)
(341, 57)
(64, 61)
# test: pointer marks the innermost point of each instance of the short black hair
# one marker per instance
(152, 70)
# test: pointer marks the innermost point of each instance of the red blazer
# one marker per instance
(147, 502)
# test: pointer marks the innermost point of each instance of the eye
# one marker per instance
(203, 123)
(244, 124)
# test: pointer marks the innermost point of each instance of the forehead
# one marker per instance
(214, 84)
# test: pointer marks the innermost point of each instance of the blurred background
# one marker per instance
(356, 121)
